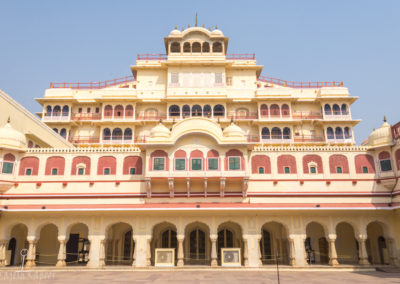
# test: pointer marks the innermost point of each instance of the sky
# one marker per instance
(357, 42)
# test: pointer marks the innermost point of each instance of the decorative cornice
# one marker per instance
(78, 150)
(327, 148)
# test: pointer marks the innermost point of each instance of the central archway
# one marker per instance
(316, 245)
(119, 245)
(197, 244)
(164, 236)
(229, 236)
(274, 243)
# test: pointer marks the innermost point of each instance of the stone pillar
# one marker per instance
(332, 250)
(292, 254)
(148, 251)
(135, 241)
(259, 237)
(97, 251)
(391, 246)
(30, 260)
(180, 250)
(362, 250)
(245, 251)
(3, 249)
(214, 254)
(61, 252)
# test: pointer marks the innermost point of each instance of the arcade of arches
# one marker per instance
(198, 242)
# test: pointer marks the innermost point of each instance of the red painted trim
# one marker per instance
(197, 205)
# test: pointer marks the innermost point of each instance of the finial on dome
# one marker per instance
(203, 25)
(232, 120)
(209, 28)
(8, 120)
(176, 27)
(384, 118)
(160, 121)
(188, 25)
(196, 21)
(183, 29)
(216, 27)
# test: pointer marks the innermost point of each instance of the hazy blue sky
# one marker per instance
(357, 42)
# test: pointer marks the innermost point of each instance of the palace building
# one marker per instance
(196, 159)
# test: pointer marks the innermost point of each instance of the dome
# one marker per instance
(175, 32)
(381, 136)
(11, 138)
(233, 131)
(217, 32)
(159, 131)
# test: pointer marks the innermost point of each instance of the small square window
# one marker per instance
(229, 81)
(54, 172)
(234, 163)
(159, 164)
(28, 172)
(106, 171)
(313, 170)
(180, 164)
(260, 170)
(339, 170)
(218, 78)
(81, 171)
(386, 165)
(196, 164)
(213, 163)
(97, 110)
(88, 110)
(80, 110)
(7, 167)
(287, 170)
(365, 170)
(132, 171)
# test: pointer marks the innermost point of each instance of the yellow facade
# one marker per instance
(199, 153)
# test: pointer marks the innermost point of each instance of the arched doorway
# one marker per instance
(119, 245)
(274, 242)
(316, 245)
(78, 245)
(47, 246)
(164, 236)
(377, 249)
(16, 243)
(197, 244)
(229, 236)
(346, 244)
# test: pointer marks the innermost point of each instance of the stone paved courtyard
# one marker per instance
(230, 277)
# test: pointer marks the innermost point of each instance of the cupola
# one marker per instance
(11, 138)
(160, 131)
(381, 136)
(233, 131)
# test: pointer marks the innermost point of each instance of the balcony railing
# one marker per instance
(56, 117)
(340, 140)
(253, 138)
(337, 116)
(117, 140)
(164, 57)
(155, 116)
(276, 139)
(308, 139)
(94, 85)
(242, 116)
(86, 116)
(84, 140)
(300, 85)
(244, 56)
(307, 115)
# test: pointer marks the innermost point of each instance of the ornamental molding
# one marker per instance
(311, 148)
(79, 150)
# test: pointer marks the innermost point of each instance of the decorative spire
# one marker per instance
(216, 27)
(232, 122)
(196, 21)
(188, 25)
(8, 120)
(203, 25)
(183, 29)
(176, 27)
(384, 118)
(160, 121)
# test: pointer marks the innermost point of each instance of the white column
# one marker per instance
(97, 251)
(362, 250)
(180, 250)
(148, 251)
(30, 260)
(259, 254)
(3, 245)
(245, 251)
(292, 254)
(61, 251)
(214, 254)
(332, 250)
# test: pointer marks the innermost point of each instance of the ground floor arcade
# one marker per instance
(128, 238)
